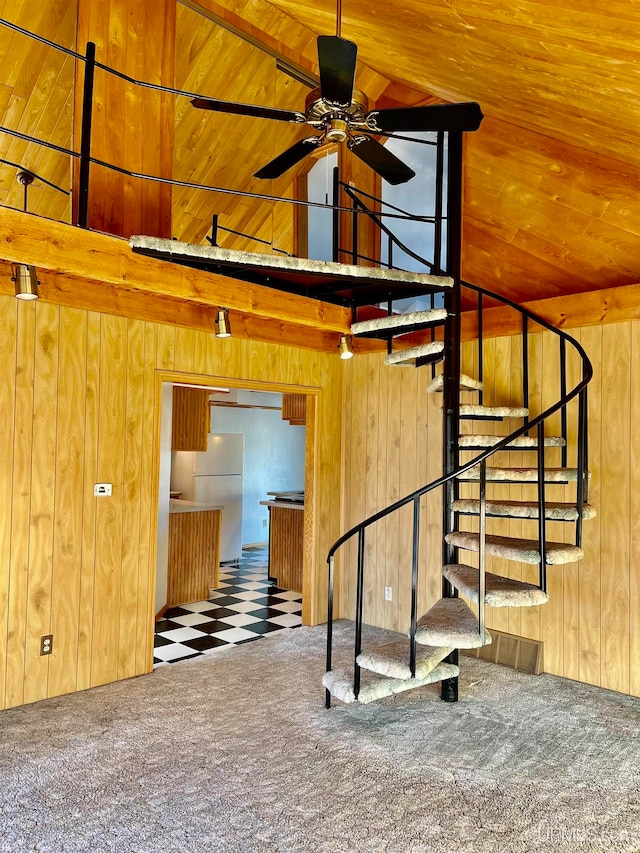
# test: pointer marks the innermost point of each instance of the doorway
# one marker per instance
(241, 599)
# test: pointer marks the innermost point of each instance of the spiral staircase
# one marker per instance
(475, 466)
(428, 652)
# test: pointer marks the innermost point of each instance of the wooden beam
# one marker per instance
(96, 296)
(84, 258)
(593, 308)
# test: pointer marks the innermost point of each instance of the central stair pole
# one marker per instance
(451, 377)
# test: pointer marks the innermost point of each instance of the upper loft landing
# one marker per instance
(329, 281)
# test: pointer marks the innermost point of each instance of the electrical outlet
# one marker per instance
(264, 522)
(46, 644)
(388, 593)
(102, 490)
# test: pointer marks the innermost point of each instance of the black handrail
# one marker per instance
(375, 217)
(501, 445)
(587, 373)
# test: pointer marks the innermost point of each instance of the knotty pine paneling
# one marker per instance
(544, 217)
(590, 625)
(78, 394)
(37, 99)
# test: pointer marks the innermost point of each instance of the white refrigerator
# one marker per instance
(215, 477)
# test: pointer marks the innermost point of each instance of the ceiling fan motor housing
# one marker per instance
(336, 120)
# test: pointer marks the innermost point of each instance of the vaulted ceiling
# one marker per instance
(552, 198)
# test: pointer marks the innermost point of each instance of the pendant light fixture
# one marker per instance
(223, 327)
(345, 347)
(26, 281)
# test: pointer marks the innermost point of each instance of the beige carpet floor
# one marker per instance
(235, 752)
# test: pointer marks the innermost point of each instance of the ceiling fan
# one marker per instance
(341, 114)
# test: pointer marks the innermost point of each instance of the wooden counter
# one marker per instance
(194, 551)
(286, 536)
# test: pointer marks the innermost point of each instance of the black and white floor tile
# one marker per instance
(244, 607)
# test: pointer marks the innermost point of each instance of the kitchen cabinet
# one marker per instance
(194, 551)
(286, 543)
(294, 409)
(190, 421)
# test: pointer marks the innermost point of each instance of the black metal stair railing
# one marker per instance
(536, 423)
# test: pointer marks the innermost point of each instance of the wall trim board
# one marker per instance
(210, 381)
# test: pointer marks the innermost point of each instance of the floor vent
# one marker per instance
(510, 650)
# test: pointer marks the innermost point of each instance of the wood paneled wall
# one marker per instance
(591, 624)
(77, 406)
(132, 127)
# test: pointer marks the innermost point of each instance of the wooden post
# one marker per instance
(132, 127)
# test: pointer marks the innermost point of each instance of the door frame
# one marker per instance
(309, 568)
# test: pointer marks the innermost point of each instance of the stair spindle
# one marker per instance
(414, 586)
(331, 575)
(359, 606)
(563, 393)
(542, 534)
(482, 549)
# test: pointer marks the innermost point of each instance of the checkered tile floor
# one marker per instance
(244, 607)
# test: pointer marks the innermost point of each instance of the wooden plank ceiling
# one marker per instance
(551, 199)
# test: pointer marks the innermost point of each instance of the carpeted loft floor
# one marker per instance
(235, 752)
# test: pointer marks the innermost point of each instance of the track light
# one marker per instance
(223, 327)
(345, 347)
(26, 281)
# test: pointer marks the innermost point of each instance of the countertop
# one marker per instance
(190, 506)
(284, 504)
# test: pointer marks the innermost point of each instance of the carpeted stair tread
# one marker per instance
(340, 684)
(520, 550)
(475, 410)
(450, 622)
(521, 475)
(499, 591)
(397, 321)
(554, 511)
(392, 659)
(409, 356)
(523, 442)
(467, 383)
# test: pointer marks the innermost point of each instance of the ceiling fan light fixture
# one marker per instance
(346, 350)
(223, 327)
(26, 281)
(337, 131)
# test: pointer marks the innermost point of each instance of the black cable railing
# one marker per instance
(87, 160)
(216, 228)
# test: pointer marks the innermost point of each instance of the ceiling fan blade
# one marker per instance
(382, 161)
(453, 117)
(247, 110)
(337, 60)
(288, 158)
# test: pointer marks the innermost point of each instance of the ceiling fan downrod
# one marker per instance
(339, 18)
